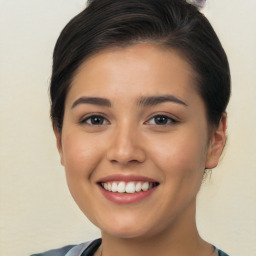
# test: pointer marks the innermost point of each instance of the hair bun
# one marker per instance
(197, 3)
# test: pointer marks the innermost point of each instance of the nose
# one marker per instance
(126, 146)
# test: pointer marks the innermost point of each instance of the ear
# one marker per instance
(217, 143)
(57, 133)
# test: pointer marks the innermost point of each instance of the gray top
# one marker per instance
(88, 249)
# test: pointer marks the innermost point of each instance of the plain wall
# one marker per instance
(36, 211)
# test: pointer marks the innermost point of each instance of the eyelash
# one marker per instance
(103, 121)
(169, 120)
(102, 118)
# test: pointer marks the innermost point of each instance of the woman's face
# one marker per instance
(133, 121)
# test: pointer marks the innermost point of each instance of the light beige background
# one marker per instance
(36, 210)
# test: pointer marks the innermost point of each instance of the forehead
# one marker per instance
(136, 70)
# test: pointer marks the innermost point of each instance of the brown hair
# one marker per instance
(172, 23)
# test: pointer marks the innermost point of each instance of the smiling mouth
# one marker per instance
(130, 187)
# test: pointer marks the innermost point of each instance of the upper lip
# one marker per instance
(126, 178)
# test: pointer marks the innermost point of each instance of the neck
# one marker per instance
(180, 238)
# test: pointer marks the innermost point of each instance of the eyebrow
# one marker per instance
(154, 100)
(142, 102)
(92, 100)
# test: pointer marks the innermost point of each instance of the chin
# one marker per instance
(126, 233)
(123, 228)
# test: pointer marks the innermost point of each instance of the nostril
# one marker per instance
(124, 162)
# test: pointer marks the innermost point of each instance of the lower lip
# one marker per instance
(126, 198)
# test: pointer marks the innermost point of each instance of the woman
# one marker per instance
(139, 91)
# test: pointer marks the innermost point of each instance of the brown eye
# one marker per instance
(95, 120)
(161, 120)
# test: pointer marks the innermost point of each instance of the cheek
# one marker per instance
(80, 155)
(182, 155)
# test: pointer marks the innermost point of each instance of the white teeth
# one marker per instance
(121, 187)
(114, 187)
(130, 187)
(138, 187)
(145, 186)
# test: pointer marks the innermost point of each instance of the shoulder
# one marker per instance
(55, 252)
(71, 250)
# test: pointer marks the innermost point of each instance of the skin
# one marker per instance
(128, 141)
